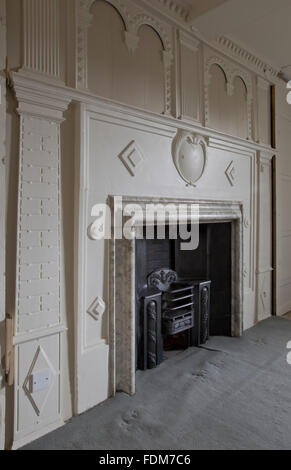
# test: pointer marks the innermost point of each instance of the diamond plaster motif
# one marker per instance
(131, 157)
(230, 173)
(97, 308)
(39, 399)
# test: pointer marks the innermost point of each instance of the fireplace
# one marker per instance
(173, 289)
(221, 226)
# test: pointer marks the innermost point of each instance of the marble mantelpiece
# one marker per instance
(122, 281)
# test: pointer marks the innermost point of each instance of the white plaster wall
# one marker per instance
(103, 130)
(157, 176)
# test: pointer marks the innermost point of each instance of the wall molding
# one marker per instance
(231, 71)
(169, 10)
(122, 316)
(38, 98)
(38, 317)
(43, 333)
(57, 97)
(250, 60)
(41, 31)
(132, 22)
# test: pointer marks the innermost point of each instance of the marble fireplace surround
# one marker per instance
(122, 282)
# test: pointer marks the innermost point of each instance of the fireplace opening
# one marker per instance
(181, 297)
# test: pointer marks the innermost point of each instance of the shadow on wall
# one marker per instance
(12, 163)
(67, 262)
(2, 384)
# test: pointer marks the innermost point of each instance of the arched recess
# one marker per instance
(218, 117)
(228, 103)
(247, 82)
(148, 86)
(132, 76)
(239, 108)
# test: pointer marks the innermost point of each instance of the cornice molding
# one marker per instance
(39, 98)
(222, 45)
(247, 58)
(177, 8)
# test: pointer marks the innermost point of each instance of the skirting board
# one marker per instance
(36, 435)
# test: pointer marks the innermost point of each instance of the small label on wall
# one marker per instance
(40, 381)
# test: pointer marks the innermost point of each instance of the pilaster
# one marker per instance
(41, 38)
(38, 321)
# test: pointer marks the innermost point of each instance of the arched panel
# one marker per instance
(135, 78)
(239, 113)
(149, 71)
(228, 104)
(217, 94)
(106, 49)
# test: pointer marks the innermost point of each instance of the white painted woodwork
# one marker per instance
(264, 265)
(190, 78)
(41, 37)
(39, 324)
(132, 69)
(264, 114)
(133, 77)
(227, 108)
(2, 214)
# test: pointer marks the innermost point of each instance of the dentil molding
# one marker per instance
(252, 61)
(178, 8)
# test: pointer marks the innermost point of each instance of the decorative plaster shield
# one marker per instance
(190, 156)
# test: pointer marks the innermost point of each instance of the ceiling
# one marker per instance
(263, 27)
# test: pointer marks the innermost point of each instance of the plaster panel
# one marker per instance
(190, 78)
(42, 408)
(105, 138)
(231, 173)
(264, 111)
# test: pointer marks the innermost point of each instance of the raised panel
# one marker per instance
(265, 233)
(36, 410)
(264, 111)
(190, 82)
